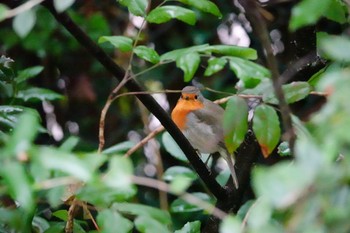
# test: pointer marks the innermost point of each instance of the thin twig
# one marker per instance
(144, 141)
(152, 183)
(22, 8)
(87, 211)
(70, 218)
(259, 25)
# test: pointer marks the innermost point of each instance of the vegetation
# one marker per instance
(79, 153)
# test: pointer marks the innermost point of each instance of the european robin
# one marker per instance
(201, 121)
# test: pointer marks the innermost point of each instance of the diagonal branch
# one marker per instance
(147, 100)
(259, 26)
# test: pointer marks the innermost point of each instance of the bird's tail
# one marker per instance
(231, 164)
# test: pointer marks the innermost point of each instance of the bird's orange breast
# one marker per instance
(182, 109)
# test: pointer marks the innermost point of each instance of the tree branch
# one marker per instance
(259, 26)
(147, 100)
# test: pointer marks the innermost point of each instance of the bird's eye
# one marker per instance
(196, 96)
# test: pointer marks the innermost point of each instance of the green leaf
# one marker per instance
(179, 184)
(308, 12)
(142, 210)
(181, 206)
(174, 171)
(3, 11)
(235, 51)
(31, 72)
(283, 149)
(22, 137)
(136, 7)
(205, 6)
(335, 47)
(172, 148)
(62, 5)
(281, 184)
(119, 173)
(293, 92)
(188, 64)
(18, 184)
(147, 54)
(145, 224)
(190, 227)
(69, 144)
(177, 53)
(259, 213)
(61, 214)
(122, 43)
(231, 224)
(119, 148)
(165, 13)
(336, 11)
(36, 93)
(235, 123)
(215, 65)
(249, 72)
(57, 160)
(266, 127)
(40, 224)
(111, 221)
(24, 22)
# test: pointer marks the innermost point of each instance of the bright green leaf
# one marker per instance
(69, 144)
(18, 184)
(62, 5)
(266, 127)
(23, 136)
(177, 53)
(61, 214)
(122, 43)
(190, 227)
(147, 54)
(235, 51)
(281, 184)
(54, 159)
(36, 93)
(119, 173)
(205, 6)
(143, 210)
(188, 64)
(181, 206)
(31, 72)
(235, 123)
(171, 146)
(335, 47)
(174, 171)
(179, 184)
(259, 213)
(215, 65)
(119, 148)
(337, 11)
(249, 72)
(3, 11)
(307, 12)
(145, 224)
(293, 92)
(165, 13)
(136, 7)
(231, 224)
(24, 22)
(111, 221)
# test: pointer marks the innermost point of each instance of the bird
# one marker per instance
(201, 122)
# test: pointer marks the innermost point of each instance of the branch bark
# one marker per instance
(147, 100)
(258, 23)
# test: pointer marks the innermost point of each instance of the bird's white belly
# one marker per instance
(202, 137)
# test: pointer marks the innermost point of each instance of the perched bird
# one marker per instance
(201, 121)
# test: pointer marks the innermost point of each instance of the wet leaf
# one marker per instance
(188, 64)
(266, 127)
(165, 13)
(122, 43)
(147, 54)
(235, 123)
(190, 227)
(205, 6)
(215, 65)
(136, 7)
